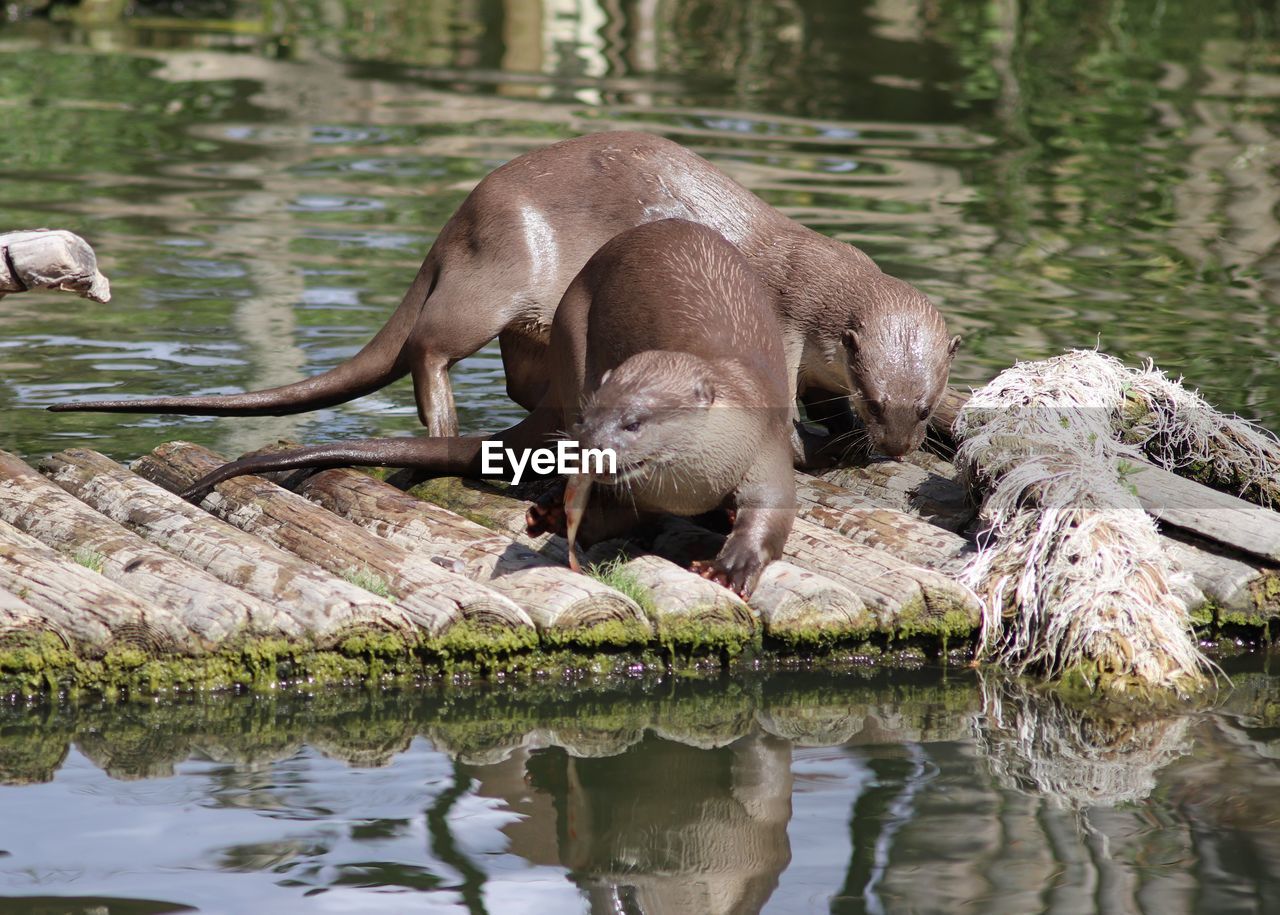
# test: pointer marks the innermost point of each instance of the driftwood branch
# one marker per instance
(50, 259)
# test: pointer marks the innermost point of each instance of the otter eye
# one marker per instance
(923, 413)
(875, 408)
(632, 426)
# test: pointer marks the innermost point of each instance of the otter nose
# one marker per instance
(896, 449)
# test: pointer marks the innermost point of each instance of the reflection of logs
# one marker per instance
(808, 726)
(483, 727)
(132, 749)
(705, 719)
(33, 744)
(591, 743)
(359, 741)
(1074, 755)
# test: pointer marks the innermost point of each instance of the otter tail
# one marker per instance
(381, 361)
(442, 456)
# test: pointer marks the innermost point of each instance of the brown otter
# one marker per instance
(665, 348)
(502, 262)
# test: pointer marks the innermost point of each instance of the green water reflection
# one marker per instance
(262, 178)
(848, 792)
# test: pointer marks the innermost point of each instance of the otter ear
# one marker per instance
(955, 345)
(851, 342)
(704, 392)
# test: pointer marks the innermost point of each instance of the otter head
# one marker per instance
(650, 410)
(898, 359)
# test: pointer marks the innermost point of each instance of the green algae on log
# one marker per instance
(798, 607)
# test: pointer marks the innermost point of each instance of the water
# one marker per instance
(261, 181)
(843, 792)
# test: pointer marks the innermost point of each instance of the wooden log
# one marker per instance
(438, 599)
(896, 532)
(797, 606)
(685, 608)
(1240, 593)
(19, 620)
(89, 613)
(323, 607)
(214, 612)
(930, 492)
(558, 601)
(902, 598)
(12, 606)
(50, 259)
(1178, 502)
(947, 411)
(905, 599)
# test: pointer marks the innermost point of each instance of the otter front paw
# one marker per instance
(738, 574)
(546, 518)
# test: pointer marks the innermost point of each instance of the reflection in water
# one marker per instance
(1077, 755)
(853, 791)
(698, 830)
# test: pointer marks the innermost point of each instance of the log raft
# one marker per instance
(108, 578)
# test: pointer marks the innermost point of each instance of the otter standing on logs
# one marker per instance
(665, 348)
(504, 259)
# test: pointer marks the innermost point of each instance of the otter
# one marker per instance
(666, 348)
(851, 333)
